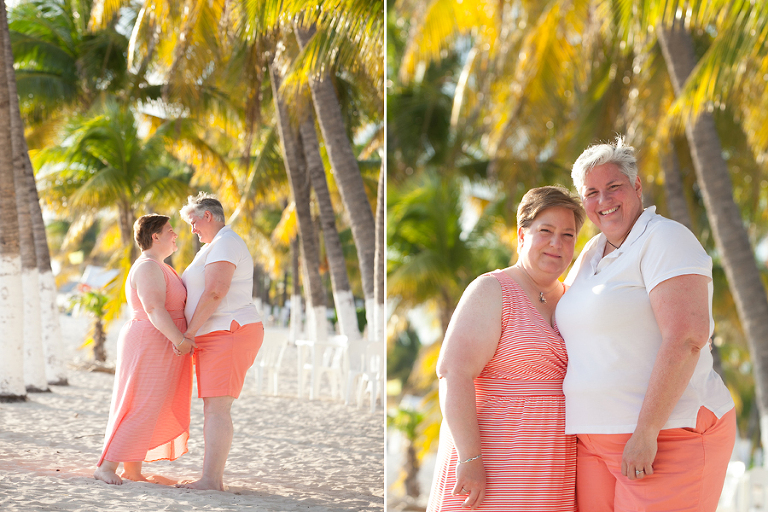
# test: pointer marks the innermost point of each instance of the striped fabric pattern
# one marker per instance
(151, 397)
(530, 463)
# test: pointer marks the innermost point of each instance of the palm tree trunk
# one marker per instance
(34, 359)
(342, 292)
(295, 166)
(378, 332)
(297, 329)
(346, 172)
(99, 339)
(673, 188)
(724, 217)
(126, 220)
(11, 308)
(53, 346)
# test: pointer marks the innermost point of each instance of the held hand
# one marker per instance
(470, 482)
(639, 454)
(186, 346)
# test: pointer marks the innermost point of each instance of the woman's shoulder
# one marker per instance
(483, 287)
(146, 271)
(664, 230)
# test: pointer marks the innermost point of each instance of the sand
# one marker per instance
(287, 455)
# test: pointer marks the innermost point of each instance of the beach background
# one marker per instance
(288, 454)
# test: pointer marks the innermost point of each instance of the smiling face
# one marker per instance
(612, 203)
(200, 225)
(165, 241)
(548, 243)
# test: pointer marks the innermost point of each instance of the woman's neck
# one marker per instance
(543, 281)
(153, 254)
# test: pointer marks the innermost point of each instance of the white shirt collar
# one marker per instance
(637, 230)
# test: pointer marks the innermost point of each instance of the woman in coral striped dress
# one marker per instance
(502, 442)
(149, 415)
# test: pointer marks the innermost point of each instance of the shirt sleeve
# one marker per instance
(225, 249)
(671, 250)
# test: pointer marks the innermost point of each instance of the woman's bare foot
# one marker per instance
(109, 477)
(203, 485)
(136, 477)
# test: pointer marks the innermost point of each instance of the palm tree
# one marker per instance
(431, 258)
(106, 165)
(55, 369)
(12, 386)
(379, 331)
(94, 304)
(724, 215)
(295, 166)
(347, 172)
(63, 67)
(342, 292)
(34, 360)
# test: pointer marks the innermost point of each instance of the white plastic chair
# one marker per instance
(368, 376)
(269, 359)
(355, 371)
(318, 359)
(375, 375)
(753, 495)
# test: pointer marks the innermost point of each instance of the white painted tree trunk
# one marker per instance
(370, 318)
(317, 323)
(34, 360)
(12, 328)
(345, 308)
(53, 348)
(296, 329)
(379, 334)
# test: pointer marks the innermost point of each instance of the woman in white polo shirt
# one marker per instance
(655, 424)
(224, 323)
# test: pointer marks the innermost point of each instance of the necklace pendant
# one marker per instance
(541, 298)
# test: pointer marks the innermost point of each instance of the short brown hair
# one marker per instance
(146, 226)
(539, 199)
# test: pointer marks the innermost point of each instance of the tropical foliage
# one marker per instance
(129, 107)
(505, 95)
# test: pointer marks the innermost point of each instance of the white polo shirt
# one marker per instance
(237, 304)
(611, 334)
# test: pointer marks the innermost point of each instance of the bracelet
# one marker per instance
(470, 459)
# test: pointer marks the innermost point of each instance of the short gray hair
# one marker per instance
(619, 154)
(200, 204)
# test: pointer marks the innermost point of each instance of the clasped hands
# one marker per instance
(185, 346)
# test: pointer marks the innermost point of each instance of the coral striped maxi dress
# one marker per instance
(530, 463)
(151, 397)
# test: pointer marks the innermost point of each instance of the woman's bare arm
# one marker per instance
(681, 308)
(470, 342)
(218, 278)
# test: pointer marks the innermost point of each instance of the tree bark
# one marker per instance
(378, 331)
(342, 292)
(346, 172)
(295, 166)
(724, 217)
(53, 347)
(12, 386)
(297, 328)
(673, 188)
(34, 359)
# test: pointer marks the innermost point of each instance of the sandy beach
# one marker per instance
(287, 454)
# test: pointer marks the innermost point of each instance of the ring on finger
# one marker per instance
(639, 472)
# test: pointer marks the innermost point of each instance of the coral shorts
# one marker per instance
(688, 471)
(222, 359)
